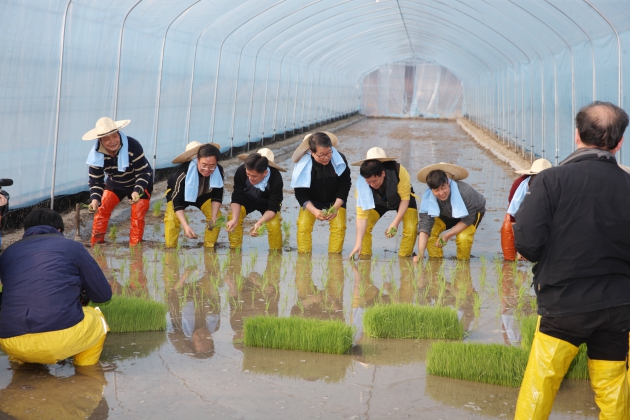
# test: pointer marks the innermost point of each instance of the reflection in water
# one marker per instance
(35, 393)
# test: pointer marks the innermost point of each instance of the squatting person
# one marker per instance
(450, 207)
(574, 224)
(129, 174)
(43, 275)
(384, 185)
(197, 181)
(257, 186)
(321, 180)
(519, 190)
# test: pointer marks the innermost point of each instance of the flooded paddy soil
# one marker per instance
(198, 367)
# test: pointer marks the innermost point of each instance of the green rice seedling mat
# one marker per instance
(133, 314)
(402, 320)
(296, 333)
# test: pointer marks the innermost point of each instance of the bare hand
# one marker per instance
(332, 215)
(229, 226)
(254, 231)
(355, 250)
(134, 197)
(189, 232)
(319, 215)
(442, 240)
(389, 229)
(93, 206)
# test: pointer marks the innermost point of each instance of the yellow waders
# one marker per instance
(172, 226)
(410, 230)
(274, 231)
(610, 384)
(549, 360)
(84, 341)
(305, 223)
(463, 240)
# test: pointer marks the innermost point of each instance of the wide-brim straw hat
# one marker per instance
(104, 126)
(304, 146)
(456, 172)
(191, 151)
(538, 166)
(266, 153)
(375, 153)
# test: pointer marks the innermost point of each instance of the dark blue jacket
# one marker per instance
(42, 276)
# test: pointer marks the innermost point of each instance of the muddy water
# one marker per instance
(199, 368)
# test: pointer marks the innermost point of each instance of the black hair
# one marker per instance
(371, 168)
(436, 178)
(601, 124)
(320, 139)
(208, 150)
(256, 162)
(46, 217)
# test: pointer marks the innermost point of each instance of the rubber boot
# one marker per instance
(549, 360)
(305, 223)
(337, 232)
(438, 227)
(507, 239)
(138, 211)
(464, 241)
(610, 384)
(410, 232)
(210, 237)
(109, 201)
(274, 233)
(366, 245)
(236, 236)
(171, 226)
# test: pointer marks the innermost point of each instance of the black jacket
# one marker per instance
(575, 224)
(272, 194)
(326, 186)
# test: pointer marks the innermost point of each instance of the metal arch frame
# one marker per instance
(120, 41)
(159, 89)
(58, 111)
(216, 80)
(253, 81)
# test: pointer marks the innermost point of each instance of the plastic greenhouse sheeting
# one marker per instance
(235, 72)
(412, 89)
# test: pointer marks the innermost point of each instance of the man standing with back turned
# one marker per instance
(574, 224)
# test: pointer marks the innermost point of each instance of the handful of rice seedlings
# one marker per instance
(329, 211)
(261, 230)
(442, 241)
(391, 232)
(220, 223)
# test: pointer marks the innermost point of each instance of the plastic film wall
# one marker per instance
(412, 89)
(240, 71)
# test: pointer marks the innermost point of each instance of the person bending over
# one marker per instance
(383, 186)
(257, 186)
(43, 275)
(450, 207)
(321, 179)
(197, 181)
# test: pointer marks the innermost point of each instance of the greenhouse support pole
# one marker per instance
(57, 112)
(120, 41)
(192, 83)
(297, 91)
(286, 103)
(522, 112)
(542, 109)
(159, 88)
(555, 109)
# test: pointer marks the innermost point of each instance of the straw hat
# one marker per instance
(103, 127)
(266, 153)
(538, 166)
(191, 151)
(375, 153)
(304, 147)
(456, 172)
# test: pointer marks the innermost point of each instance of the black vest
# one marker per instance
(391, 199)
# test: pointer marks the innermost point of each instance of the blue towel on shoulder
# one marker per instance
(365, 199)
(519, 196)
(301, 176)
(430, 205)
(96, 158)
(192, 181)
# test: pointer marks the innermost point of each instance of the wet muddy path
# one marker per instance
(198, 368)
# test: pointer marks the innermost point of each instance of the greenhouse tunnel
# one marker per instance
(241, 72)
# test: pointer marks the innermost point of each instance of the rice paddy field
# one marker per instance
(200, 366)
